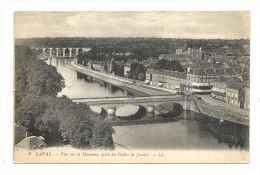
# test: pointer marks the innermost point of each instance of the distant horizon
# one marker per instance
(143, 37)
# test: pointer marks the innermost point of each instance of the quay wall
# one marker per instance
(137, 89)
(97, 75)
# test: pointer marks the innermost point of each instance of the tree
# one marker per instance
(44, 79)
(30, 108)
(42, 113)
(76, 122)
(48, 124)
(35, 76)
(168, 65)
(102, 136)
(137, 71)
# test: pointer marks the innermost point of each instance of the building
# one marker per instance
(198, 81)
(211, 75)
(246, 78)
(195, 53)
(230, 72)
(129, 53)
(219, 87)
(127, 68)
(165, 78)
(153, 77)
(168, 57)
(32, 142)
(90, 64)
(178, 51)
(99, 66)
(235, 95)
(247, 97)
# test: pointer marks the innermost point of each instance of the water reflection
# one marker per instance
(169, 110)
(112, 89)
(234, 134)
(79, 85)
(196, 131)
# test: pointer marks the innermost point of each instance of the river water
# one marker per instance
(204, 133)
(79, 85)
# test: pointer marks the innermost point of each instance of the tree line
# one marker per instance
(57, 119)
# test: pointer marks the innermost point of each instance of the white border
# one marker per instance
(6, 13)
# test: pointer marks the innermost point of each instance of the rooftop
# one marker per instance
(31, 143)
(198, 71)
(169, 73)
(235, 86)
(220, 71)
(210, 71)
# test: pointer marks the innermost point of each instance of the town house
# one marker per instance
(219, 87)
(236, 95)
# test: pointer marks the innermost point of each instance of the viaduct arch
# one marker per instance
(60, 52)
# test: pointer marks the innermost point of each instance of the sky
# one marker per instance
(197, 25)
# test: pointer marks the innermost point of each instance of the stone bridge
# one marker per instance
(189, 103)
(61, 52)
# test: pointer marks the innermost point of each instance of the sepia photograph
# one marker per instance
(131, 87)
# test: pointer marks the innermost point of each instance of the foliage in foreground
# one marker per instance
(59, 120)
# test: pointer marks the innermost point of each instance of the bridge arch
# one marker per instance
(73, 52)
(67, 52)
(53, 52)
(46, 51)
(80, 51)
(60, 52)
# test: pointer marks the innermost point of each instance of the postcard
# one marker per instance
(131, 87)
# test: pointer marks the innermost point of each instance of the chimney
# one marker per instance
(26, 134)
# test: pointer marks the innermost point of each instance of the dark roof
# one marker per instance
(246, 69)
(238, 70)
(223, 80)
(196, 64)
(246, 76)
(227, 80)
(220, 71)
(152, 71)
(205, 65)
(198, 71)
(31, 143)
(170, 73)
(237, 65)
(210, 72)
(230, 71)
(235, 86)
(230, 64)
(181, 75)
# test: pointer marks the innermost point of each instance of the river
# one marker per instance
(204, 133)
(79, 85)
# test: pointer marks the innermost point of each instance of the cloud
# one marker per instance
(74, 20)
(134, 24)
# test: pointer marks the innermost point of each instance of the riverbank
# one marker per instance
(228, 113)
(120, 81)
